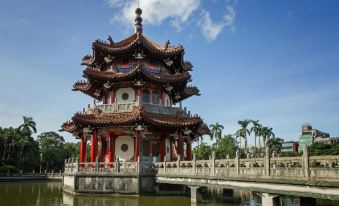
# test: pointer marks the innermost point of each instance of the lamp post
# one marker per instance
(40, 161)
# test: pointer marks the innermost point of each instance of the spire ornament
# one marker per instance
(138, 21)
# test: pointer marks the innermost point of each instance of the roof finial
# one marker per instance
(138, 20)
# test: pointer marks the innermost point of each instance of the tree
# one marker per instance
(266, 133)
(203, 151)
(226, 146)
(243, 131)
(28, 125)
(52, 150)
(216, 131)
(256, 129)
(274, 144)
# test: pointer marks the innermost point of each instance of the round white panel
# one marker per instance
(124, 147)
(125, 95)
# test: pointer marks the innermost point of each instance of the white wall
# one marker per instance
(127, 155)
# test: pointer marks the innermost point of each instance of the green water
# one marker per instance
(50, 194)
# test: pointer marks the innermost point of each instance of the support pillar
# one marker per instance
(137, 145)
(306, 161)
(195, 196)
(111, 151)
(103, 149)
(179, 144)
(189, 148)
(83, 148)
(162, 147)
(267, 161)
(94, 147)
(269, 199)
(237, 162)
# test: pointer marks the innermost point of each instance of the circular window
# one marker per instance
(124, 147)
(124, 96)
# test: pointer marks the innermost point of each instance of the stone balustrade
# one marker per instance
(304, 167)
(73, 166)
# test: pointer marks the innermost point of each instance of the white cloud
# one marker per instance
(157, 10)
(211, 29)
(176, 12)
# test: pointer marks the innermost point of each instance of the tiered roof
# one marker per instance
(104, 67)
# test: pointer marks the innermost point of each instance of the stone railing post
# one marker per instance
(194, 165)
(178, 163)
(306, 162)
(237, 162)
(213, 163)
(267, 161)
(97, 164)
(165, 165)
(77, 165)
(66, 166)
(117, 165)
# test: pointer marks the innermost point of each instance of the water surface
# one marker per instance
(50, 194)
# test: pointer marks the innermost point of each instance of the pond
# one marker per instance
(50, 194)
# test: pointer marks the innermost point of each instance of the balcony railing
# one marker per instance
(151, 108)
(160, 109)
(117, 107)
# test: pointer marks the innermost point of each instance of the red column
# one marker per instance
(162, 97)
(137, 145)
(189, 148)
(179, 144)
(83, 147)
(111, 149)
(103, 149)
(162, 148)
(94, 147)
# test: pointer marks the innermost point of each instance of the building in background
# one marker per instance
(308, 135)
(290, 146)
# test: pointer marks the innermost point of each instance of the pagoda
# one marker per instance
(136, 84)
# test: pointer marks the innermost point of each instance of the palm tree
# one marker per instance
(256, 128)
(243, 131)
(267, 133)
(274, 144)
(26, 129)
(28, 126)
(216, 131)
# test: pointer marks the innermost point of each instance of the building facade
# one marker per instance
(289, 146)
(136, 84)
(308, 135)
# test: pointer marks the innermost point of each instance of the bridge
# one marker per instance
(306, 176)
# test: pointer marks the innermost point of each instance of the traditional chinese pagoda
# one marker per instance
(136, 84)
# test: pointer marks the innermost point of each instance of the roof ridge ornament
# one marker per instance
(138, 21)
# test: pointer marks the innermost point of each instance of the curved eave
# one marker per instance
(137, 71)
(187, 93)
(131, 42)
(97, 119)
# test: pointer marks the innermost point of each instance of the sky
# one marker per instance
(273, 61)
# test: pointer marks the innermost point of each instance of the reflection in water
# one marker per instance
(50, 194)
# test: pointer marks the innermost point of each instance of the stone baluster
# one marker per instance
(117, 165)
(213, 163)
(178, 163)
(97, 164)
(306, 165)
(194, 165)
(237, 162)
(267, 161)
(165, 164)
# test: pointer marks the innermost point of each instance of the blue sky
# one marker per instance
(276, 61)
